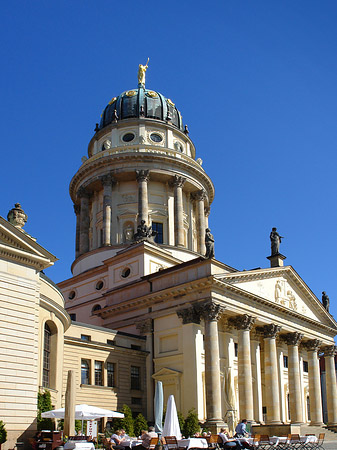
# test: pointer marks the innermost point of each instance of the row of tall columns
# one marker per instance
(83, 213)
(210, 311)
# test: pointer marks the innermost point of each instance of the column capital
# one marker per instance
(199, 195)
(190, 315)
(313, 345)
(107, 180)
(330, 350)
(269, 331)
(82, 193)
(244, 322)
(210, 310)
(142, 175)
(144, 326)
(77, 209)
(178, 181)
(293, 338)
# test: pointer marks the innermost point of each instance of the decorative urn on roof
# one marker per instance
(17, 217)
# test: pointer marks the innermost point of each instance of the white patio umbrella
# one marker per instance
(158, 407)
(171, 424)
(82, 412)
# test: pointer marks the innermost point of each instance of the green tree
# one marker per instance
(191, 425)
(126, 422)
(140, 424)
(3, 433)
(44, 404)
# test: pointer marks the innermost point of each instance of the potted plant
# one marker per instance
(3, 433)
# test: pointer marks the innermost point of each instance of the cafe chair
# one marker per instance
(212, 441)
(171, 443)
(154, 441)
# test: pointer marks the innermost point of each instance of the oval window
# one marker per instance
(71, 295)
(99, 285)
(128, 137)
(156, 137)
(126, 272)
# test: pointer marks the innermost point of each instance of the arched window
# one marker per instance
(46, 357)
(85, 372)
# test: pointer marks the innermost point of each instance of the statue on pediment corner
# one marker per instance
(325, 301)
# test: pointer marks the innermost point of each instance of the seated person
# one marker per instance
(117, 438)
(146, 438)
(240, 430)
(227, 441)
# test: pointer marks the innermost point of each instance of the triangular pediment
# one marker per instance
(165, 373)
(283, 287)
(18, 246)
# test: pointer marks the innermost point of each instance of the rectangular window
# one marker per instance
(158, 228)
(235, 350)
(305, 366)
(98, 373)
(73, 317)
(135, 378)
(110, 342)
(85, 372)
(46, 357)
(285, 361)
(85, 337)
(136, 401)
(111, 374)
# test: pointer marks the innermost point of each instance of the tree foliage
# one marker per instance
(191, 425)
(44, 404)
(140, 424)
(3, 433)
(127, 422)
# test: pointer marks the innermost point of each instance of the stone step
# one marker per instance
(329, 434)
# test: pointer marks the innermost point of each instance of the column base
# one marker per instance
(214, 425)
(316, 424)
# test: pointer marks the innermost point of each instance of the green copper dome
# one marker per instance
(141, 103)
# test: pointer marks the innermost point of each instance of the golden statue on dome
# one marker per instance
(141, 73)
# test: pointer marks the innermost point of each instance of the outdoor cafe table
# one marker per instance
(78, 445)
(193, 443)
(131, 442)
(282, 439)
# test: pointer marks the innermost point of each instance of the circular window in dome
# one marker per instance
(155, 137)
(99, 285)
(126, 272)
(72, 295)
(152, 94)
(128, 137)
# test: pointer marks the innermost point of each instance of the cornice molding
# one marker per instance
(192, 168)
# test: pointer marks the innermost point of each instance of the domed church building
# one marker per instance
(230, 344)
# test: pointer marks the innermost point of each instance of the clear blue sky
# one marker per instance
(255, 81)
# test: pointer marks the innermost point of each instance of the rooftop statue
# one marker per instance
(144, 232)
(141, 73)
(275, 240)
(209, 243)
(325, 301)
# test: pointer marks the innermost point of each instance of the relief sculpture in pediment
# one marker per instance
(285, 296)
